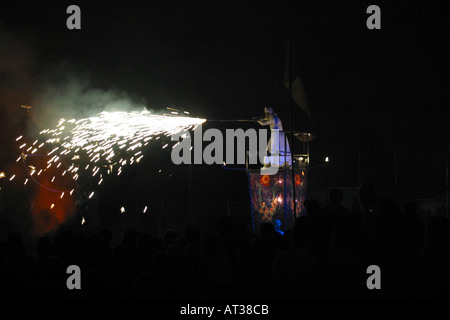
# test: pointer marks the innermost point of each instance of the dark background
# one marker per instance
(375, 95)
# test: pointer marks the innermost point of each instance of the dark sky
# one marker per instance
(371, 92)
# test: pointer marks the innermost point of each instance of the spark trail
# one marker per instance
(102, 144)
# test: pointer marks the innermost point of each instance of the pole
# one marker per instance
(359, 168)
(446, 185)
(291, 135)
(395, 175)
(190, 191)
(231, 120)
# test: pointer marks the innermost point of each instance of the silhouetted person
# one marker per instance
(312, 207)
(416, 228)
(129, 238)
(295, 270)
(390, 246)
(106, 235)
(16, 245)
(169, 237)
(44, 247)
(191, 234)
(368, 201)
(431, 276)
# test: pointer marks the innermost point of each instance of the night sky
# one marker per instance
(372, 93)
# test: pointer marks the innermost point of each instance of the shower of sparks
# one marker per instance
(102, 144)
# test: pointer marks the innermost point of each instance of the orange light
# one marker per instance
(265, 180)
(298, 180)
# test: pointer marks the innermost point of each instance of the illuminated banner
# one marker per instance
(270, 193)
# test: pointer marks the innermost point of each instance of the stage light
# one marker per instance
(327, 159)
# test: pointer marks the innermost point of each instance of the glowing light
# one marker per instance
(122, 210)
(52, 206)
(280, 199)
(83, 221)
(327, 159)
(12, 177)
(98, 139)
(26, 181)
(145, 209)
(2, 175)
(62, 195)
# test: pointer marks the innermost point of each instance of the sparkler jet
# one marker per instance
(101, 140)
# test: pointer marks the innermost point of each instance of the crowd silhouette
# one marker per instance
(325, 255)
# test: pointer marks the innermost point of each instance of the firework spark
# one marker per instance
(93, 145)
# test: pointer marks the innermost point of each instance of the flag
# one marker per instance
(296, 87)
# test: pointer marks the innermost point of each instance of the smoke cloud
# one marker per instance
(61, 90)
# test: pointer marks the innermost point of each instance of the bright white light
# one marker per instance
(327, 159)
(100, 137)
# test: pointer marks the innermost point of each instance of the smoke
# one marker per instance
(59, 90)
(64, 92)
